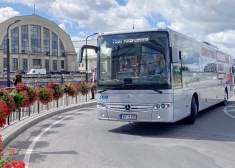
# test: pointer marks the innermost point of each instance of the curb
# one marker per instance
(14, 130)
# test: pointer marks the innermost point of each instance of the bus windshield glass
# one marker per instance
(134, 59)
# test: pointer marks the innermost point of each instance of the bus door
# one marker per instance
(177, 86)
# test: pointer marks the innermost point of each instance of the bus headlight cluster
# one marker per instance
(100, 105)
(159, 106)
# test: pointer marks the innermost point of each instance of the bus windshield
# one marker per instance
(134, 59)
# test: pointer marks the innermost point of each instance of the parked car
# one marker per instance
(37, 71)
(75, 72)
(65, 72)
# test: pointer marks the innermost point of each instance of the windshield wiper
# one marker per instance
(159, 91)
(126, 88)
(101, 91)
(109, 88)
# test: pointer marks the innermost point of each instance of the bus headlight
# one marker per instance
(160, 106)
(100, 105)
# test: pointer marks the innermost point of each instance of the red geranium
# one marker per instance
(57, 89)
(70, 89)
(6, 160)
(45, 95)
(4, 112)
(83, 88)
(6, 96)
(32, 95)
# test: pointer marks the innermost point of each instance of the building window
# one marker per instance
(62, 64)
(47, 64)
(24, 39)
(4, 62)
(82, 65)
(36, 39)
(15, 40)
(55, 65)
(25, 64)
(15, 64)
(37, 62)
(4, 44)
(62, 52)
(54, 44)
(46, 41)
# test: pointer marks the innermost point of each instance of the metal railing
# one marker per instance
(38, 107)
(35, 80)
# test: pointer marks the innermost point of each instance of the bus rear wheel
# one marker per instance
(192, 118)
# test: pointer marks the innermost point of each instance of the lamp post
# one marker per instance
(86, 60)
(28, 65)
(86, 57)
(8, 54)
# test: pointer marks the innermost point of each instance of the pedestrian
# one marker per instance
(94, 77)
(4, 73)
(18, 78)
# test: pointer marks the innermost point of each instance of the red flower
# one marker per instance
(12, 151)
(4, 113)
(14, 164)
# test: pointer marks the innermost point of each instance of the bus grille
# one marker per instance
(133, 107)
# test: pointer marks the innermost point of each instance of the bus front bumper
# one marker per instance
(163, 115)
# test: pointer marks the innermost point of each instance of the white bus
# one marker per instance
(158, 75)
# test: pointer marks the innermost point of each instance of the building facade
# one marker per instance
(35, 42)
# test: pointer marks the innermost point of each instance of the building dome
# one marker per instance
(35, 42)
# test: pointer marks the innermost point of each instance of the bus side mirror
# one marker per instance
(175, 54)
(84, 48)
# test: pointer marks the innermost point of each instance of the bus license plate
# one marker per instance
(128, 117)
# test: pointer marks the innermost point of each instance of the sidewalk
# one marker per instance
(9, 132)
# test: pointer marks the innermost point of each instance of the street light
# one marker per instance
(86, 57)
(8, 54)
(28, 66)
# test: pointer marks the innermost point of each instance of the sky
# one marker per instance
(205, 20)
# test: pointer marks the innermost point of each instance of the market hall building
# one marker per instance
(36, 42)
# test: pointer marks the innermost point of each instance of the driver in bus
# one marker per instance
(127, 67)
(161, 69)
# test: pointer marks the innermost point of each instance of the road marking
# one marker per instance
(30, 149)
(232, 110)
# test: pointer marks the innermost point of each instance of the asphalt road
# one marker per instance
(78, 140)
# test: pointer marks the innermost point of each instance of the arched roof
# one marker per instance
(40, 21)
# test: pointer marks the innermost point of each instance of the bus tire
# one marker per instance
(192, 118)
(225, 101)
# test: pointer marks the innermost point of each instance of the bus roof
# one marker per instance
(135, 30)
(160, 29)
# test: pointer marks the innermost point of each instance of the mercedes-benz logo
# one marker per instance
(128, 107)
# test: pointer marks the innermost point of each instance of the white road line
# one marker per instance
(30, 149)
(227, 111)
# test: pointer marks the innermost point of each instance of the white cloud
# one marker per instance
(62, 26)
(76, 38)
(204, 20)
(225, 37)
(161, 25)
(6, 13)
(224, 40)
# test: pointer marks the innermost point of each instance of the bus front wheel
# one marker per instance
(192, 118)
(223, 103)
